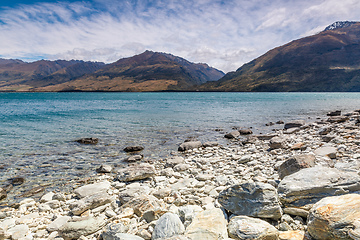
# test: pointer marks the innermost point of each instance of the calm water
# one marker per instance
(37, 130)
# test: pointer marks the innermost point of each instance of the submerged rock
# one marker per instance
(90, 141)
(133, 148)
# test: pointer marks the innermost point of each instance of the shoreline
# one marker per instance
(134, 199)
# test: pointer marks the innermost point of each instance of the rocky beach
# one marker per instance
(298, 182)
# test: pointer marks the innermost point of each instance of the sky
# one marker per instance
(222, 33)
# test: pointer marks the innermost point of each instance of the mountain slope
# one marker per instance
(149, 71)
(328, 61)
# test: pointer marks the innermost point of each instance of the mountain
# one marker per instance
(149, 71)
(327, 61)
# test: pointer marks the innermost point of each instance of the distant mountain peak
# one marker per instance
(339, 24)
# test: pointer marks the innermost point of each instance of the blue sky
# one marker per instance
(223, 33)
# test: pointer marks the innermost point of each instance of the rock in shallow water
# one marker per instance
(133, 148)
(189, 145)
(92, 141)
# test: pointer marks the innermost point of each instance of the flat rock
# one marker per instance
(73, 229)
(295, 164)
(245, 131)
(89, 141)
(57, 223)
(232, 135)
(175, 160)
(131, 192)
(133, 148)
(189, 145)
(167, 226)
(309, 185)
(123, 236)
(91, 189)
(338, 119)
(90, 202)
(254, 199)
(326, 151)
(293, 235)
(294, 124)
(104, 169)
(243, 227)
(210, 144)
(114, 231)
(210, 224)
(334, 113)
(277, 142)
(136, 172)
(146, 203)
(134, 158)
(335, 218)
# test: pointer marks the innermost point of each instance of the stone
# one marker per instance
(324, 130)
(298, 146)
(90, 141)
(123, 236)
(295, 164)
(243, 227)
(277, 142)
(113, 230)
(245, 131)
(167, 226)
(181, 167)
(189, 145)
(91, 189)
(82, 227)
(134, 158)
(146, 203)
(309, 185)
(210, 144)
(335, 218)
(188, 212)
(334, 113)
(162, 193)
(136, 172)
(338, 119)
(133, 148)
(232, 135)
(90, 202)
(293, 235)
(326, 151)
(254, 199)
(294, 124)
(104, 169)
(18, 231)
(132, 191)
(59, 196)
(296, 212)
(57, 223)
(173, 161)
(47, 197)
(210, 224)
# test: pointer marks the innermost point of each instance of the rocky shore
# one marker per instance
(301, 182)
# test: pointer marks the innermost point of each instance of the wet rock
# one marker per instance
(134, 158)
(76, 228)
(133, 148)
(335, 218)
(255, 199)
(334, 113)
(307, 186)
(3, 193)
(326, 151)
(17, 181)
(33, 191)
(210, 144)
(232, 135)
(295, 164)
(245, 131)
(189, 145)
(338, 119)
(91, 189)
(277, 142)
(167, 226)
(294, 124)
(210, 224)
(104, 169)
(90, 141)
(136, 172)
(243, 227)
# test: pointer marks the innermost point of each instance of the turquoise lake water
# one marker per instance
(37, 130)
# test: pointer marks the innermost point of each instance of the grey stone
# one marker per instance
(91, 189)
(243, 227)
(173, 161)
(104, 169)
(245, 131)
(189, 145)
(181, 167)
(233, 134)
(136, 172)
(132, 192)
(338, 119)
(255, 199)
(90, 202)
(295, 164)
(168, 225)
(277, 142)
(57, 223)
(324, 130)
(210, 144)
(188, 212)
(133, 148)
(92, 141)
(123, 236)
(294, 124)
(309, 185)
(146, 203)
(334, 113)
(326, 151)
(47, 197)
(134, 158)
(113, 230)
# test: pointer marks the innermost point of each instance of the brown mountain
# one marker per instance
(149, 71)
(327, 61)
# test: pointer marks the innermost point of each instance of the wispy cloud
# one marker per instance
(224, 34)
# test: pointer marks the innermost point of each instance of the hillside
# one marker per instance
(149, 71)
(327, 61)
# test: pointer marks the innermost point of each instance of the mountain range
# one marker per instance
(327, 61)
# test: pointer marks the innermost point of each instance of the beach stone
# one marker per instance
(113, 230)
(162, 193)
(335, 218)
(210, 144)
(133, 148)
(296, 212)
(122, 236)
(167, 226)
(334, 113)
(324, 130)
(232, 135)
(18, 231)
(146, 203)
(243, 227)
(57, 223)
(294, 124)
(295, 164)
(136, 172)
(338, 119)
(173, 161)
(91, 189)
(3, 193)
(254, 199)
(90, 202)
(245, 131)
(210, 224)
(188, 212)
(181, 167)
(189, 145)
(293, 235)
(307, 186)
(298, 146)
(134, 158)
(59, 197)
(75, 228)
(91, 141)
(132, 191)
(277, 142)
(47, 197)
(104, 169)
(326, 151)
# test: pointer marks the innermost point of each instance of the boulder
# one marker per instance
(90, 141)
(243, 227)
(233, 134)
(307, 186)
(326, 151)
(295, 164)
(146, 203)
(277, 142)
(90, 202)
(335, 218)
(210, 224)
(132, 191)
(254, 199)
(294, 124)
(91, 189)
(245, 131)
(75, 228)
(133, 148)
(136, 172)
(189, 145)
(167, 226)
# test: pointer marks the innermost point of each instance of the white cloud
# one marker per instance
(224, 34)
